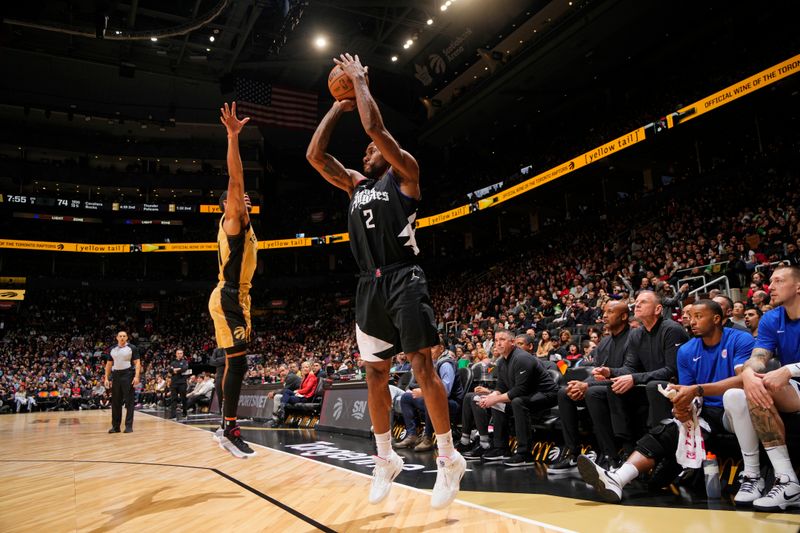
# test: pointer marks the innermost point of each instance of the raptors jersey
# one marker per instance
(381, 223)
(237, 257)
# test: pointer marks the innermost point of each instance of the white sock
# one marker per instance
(465, 439)
(445, 444)
(737, 416)
(779, 457)
(384, 443)
(485, 442)
(752, 465)
(626, 473)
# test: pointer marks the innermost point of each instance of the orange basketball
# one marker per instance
(340, 85)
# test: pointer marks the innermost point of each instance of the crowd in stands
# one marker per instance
(553, 292)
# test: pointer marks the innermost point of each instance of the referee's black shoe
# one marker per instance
(113, 430)
(128, 430)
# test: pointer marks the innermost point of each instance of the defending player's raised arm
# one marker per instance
(402, 162)
(236, 216)
(324, 163)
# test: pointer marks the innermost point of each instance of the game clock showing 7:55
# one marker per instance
(28, 200)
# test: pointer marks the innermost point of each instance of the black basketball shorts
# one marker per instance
(393, 313)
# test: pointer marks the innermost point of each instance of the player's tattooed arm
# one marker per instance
(752, 380)
(405, 166)
(328, 166)
(758, 360)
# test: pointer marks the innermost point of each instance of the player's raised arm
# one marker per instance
(327, 165)
(236, 216)
(402, 162)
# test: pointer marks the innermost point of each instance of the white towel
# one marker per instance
(691, 449)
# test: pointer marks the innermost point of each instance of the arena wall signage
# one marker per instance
(720, 98)
(344, 409)
(12, 294)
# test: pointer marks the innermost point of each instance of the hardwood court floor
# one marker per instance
(62, 471)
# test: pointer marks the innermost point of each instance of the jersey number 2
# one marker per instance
(368, 213)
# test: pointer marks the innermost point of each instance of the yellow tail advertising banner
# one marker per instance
(214, 209)
(737, 90)
(103, 248)
(12, 294)
(38, 245)
(592, 156)
(337, 237)
(443, 217)
(180, 247)
(284, 243)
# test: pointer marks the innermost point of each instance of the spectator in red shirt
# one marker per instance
(306, 391)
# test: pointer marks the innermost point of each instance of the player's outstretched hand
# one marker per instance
(351, 66)
(229, 120)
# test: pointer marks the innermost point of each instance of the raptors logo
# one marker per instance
(338, 407)
(437, 63)
(241, 333)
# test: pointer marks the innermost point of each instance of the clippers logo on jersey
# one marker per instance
(381, 223)
(365, 196)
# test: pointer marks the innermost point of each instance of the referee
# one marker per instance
(120, 361)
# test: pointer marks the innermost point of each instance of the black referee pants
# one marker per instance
(122, 392)
(178, 389)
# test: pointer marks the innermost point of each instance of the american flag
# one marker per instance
(267, 104)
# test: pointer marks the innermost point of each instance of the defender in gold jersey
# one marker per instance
(230, 300)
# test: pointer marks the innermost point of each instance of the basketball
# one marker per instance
(340, 85)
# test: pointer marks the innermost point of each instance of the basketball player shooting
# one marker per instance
(229, 304)
(393, 307)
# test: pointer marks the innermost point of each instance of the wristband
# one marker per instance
(794, 370)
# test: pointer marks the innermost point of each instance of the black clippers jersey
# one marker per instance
(381, 223)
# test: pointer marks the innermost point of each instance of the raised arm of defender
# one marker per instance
(236, 216)
(327, 165)
(403, 163)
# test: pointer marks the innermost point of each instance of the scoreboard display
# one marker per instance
(20, 200)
